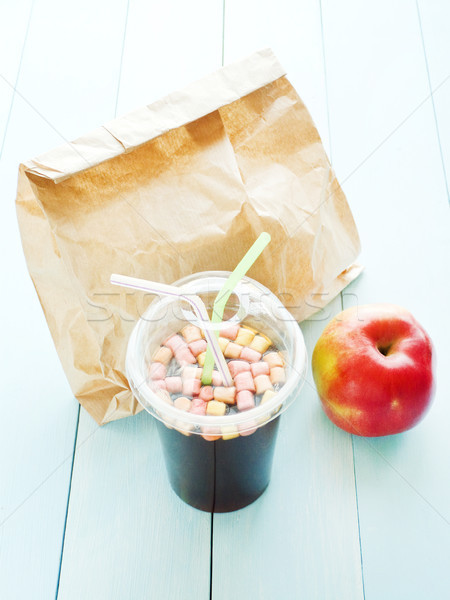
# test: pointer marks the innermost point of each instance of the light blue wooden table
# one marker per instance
(87, 513)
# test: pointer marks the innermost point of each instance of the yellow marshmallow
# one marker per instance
(228, 433)
(260, 343)
(201, 359)
(268, 395)
(216, 409)
(244, 337)
(223, 343)
(232, 350)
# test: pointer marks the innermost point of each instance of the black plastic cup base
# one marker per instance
(223, 475)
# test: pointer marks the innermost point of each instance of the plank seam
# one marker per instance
(119, 80)
(325, 80)
(67, 505)
(422, 37)
(357, 515)
(223, 33)
(8, 118)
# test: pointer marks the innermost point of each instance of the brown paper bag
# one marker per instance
(183, 185)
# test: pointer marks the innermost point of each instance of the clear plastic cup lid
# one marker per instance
(252, 305)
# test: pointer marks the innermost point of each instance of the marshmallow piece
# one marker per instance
(191, 373)
(262, 383)
(184, 428)
(198, 406)
(225, 394)
(245, 336)
(173, 384)
(247, 428)
(259, 368)
(229, 332)
(232, 350)
(260, 343)
(175, 342)
(184, 356)
(250, 355)
(255, 331)
(223, 343)
(211, 434)
(217, 378)
(206, 393)
(216, 409)
(191, 333)
(244, 381)
(197, 347)
(201, 358)
(268, 394)
(157, 370)
(164, 395)
(238, 366)
(191, 387)
(159, 384)
(229, 432)
(245, 400)
(182, 403)
(277, 375)
(163, 355)
(274, 359)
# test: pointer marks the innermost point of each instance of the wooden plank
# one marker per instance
(168, 45)
(300, 539)
(284, 545)
(58, 76)
(128, 535)
(292, 29)
(14, 19)
(398, 198)
(434, 17)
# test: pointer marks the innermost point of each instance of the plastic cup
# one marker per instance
(217, 464)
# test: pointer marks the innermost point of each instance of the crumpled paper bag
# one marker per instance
(183, 185)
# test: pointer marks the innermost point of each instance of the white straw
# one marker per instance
(162, 289)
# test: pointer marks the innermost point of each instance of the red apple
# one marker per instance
(373, 368)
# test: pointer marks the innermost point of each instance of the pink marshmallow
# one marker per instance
(198, 406)
(238, 366)
(245, 400)
(159, 384)
(174, 385)
(206, 393)
(184, 356)
(244, 381)
(211, 434)
(157, 371)
(250, 355)
(197, 347)
(259, 368)
(191, 387)
(230, 332)
(217, 378)
(247, 428)
(191, 372)
(175, 342)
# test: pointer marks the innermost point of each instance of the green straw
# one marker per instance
(227, 289)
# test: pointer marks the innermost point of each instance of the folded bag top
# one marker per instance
(181, 186)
